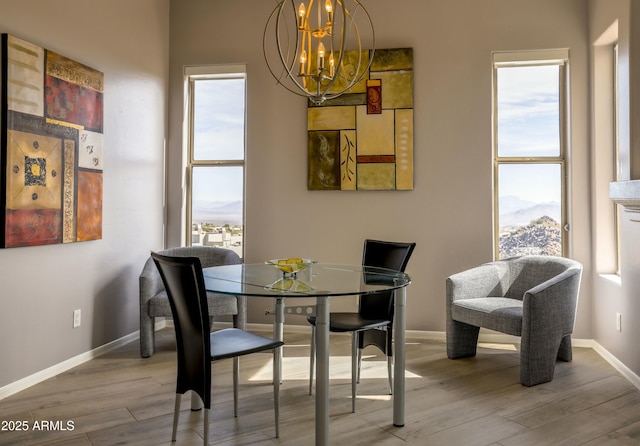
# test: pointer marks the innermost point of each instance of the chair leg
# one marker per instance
(176, 414)
(354, 368)
(462, 339)
(538, 356)
(388, 350)
(312, 358)
(389, 373)
(359, 365)
(277, 375)
(565, 352)
(147, 335)
(236, 378)
(206, 427)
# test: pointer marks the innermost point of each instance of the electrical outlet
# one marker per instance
(618, 321)
(76, 318)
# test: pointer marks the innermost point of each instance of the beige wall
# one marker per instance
(41, 286)
(614, 296)
(449, 213)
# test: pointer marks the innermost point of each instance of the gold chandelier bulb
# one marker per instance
(329, 7)
(301, 13)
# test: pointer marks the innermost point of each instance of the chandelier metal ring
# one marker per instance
(327, 57)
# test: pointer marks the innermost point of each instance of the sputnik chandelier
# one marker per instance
(320, 52)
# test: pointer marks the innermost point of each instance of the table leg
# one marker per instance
(399, 339)
(196, 402)
(322, 371)
(278, 332)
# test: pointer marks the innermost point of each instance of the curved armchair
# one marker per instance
(534, 297)
(154, 301)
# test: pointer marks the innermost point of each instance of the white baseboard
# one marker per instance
(616, 364)
(52, 371)
(493, 338)
(70, 363)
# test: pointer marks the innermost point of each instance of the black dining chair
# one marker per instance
(373, 323)
(197, 347)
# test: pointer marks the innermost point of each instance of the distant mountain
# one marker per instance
(511, 203)
(217, 212)
(519, 212)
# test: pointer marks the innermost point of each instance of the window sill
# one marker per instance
(627, 194)
(613, 278)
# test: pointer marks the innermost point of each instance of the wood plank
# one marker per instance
(121, 398)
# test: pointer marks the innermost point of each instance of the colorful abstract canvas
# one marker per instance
(363, 139)
(51, 147)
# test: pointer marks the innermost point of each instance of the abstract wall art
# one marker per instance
(363, 140)
(50, 146)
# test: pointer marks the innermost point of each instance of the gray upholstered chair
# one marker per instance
(155, 303)
(534, 297)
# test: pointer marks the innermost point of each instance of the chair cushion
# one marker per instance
(496, 313)
(232, 342)
(219, 304)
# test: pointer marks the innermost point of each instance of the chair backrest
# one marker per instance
(184, 282)
(150, 283)
(529, 271)
(208, 255)
(382, 254)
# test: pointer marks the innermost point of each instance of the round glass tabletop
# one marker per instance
(318, 279)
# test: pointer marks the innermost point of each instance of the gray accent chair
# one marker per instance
(154, 301)
(534, 297)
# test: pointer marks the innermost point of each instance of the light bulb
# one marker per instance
(329, 7)
(303, 60)
(301, 13)
(332, 65)
(321, 56)
(321, 50)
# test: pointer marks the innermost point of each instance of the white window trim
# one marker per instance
(195, 72)
(533, 57)
(502, 59)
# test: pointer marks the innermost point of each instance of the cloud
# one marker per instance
(529, 111)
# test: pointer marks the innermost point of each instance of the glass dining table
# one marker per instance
(321, 281)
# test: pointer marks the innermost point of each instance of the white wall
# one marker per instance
(41, 286)
(611, 297)
(449, 213)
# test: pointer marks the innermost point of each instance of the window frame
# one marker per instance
(522, 59)
(617, 208)
(193, 74)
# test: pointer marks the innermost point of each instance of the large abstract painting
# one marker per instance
(51, 147)
(363, 140)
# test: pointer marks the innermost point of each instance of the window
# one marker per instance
(529, 153)
(606, 151)
(216, 156)
(616, 154)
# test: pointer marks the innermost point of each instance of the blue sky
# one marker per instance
(528, 125)
(219, 134)
(528, 111)
(515, 181)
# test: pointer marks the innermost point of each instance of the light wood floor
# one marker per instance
(122, 399)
